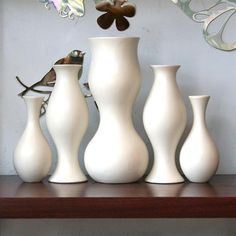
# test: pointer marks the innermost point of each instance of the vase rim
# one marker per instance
(199, 96)
(33, 97)
(114, 37)
(165, 66)
(67, 65)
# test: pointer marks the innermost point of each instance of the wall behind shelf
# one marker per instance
(32, 39)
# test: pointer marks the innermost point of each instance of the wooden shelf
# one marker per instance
(138, 200)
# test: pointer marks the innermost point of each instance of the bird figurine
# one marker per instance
(74, 57)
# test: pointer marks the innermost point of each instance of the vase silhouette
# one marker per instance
(67, 121)
(199, 156)
(116, 153)
(164, 120)
(32, 156)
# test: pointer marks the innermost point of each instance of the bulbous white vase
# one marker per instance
(164, 120)
(116, 154)
(67, 121)
(199, 156)
(32, 156)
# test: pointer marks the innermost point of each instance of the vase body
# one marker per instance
(67, 121)
(116, 154)
(32, 156)
(199, 156)
(164, 118)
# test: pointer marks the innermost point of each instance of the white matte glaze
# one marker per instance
(116, 154)
(199, 157)
(164, 120)
(67, 121)
(32, 156)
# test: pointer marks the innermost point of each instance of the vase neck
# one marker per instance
(165, 77)
(199, 106)
(65, 73)
(165, 73)
(33, 109)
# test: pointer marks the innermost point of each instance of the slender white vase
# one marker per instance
(116, 154)
(199, 156)
(32, 156)
(67, 120)
(164, 120)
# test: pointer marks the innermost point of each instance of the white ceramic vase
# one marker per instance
(199, 156)
(116, 154)
(67, 121)
(32, 156)
(164, 120)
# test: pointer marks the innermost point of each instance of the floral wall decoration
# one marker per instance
(66, 8)
(218, 14)
(115, 11)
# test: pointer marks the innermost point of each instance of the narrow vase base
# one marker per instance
(164, 181)
(67, 181)
(64, 182)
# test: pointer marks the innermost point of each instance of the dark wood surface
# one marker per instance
(138, 200)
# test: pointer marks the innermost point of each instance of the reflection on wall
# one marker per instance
(67, 8)
(216, 16)
(115, 11)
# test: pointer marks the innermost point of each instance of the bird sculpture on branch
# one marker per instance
(48, 80)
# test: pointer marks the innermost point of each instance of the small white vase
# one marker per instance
(199, 156)
(67, 121)
(32, 156)
(116, 154)
(164, 120)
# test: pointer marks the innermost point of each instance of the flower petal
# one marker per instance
(121, 23)
(103, 6)
(105, 20)
(128, 10)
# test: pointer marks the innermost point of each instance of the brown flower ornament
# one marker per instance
(115, 12)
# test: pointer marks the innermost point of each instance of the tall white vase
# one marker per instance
(116, 154)
(32, 156)
(164, 120)
(67, 120)
(199, 156)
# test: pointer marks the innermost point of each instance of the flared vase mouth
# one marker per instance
(33, 97)
(114, 38)
(199, 96)
(67, 65)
